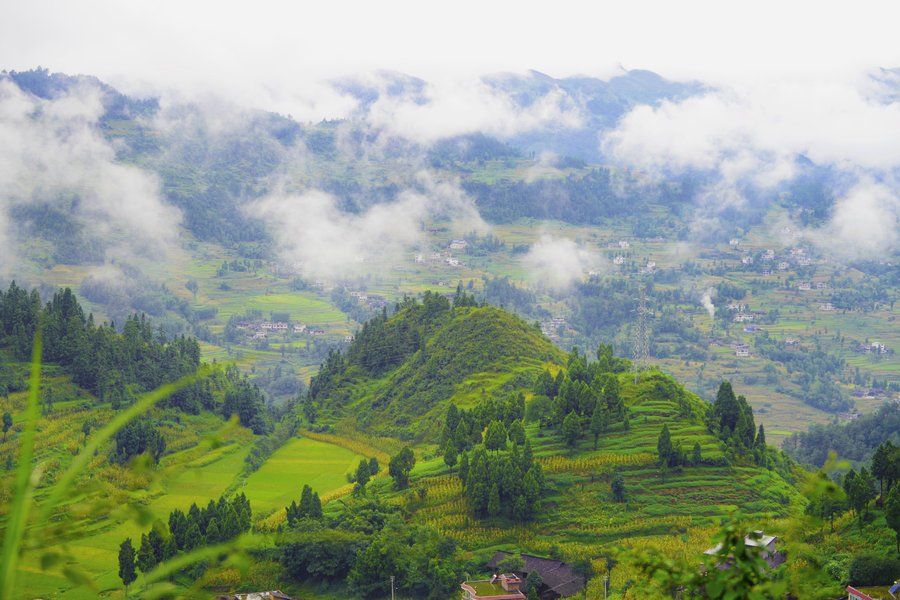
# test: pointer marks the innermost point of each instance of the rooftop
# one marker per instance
(488, 589)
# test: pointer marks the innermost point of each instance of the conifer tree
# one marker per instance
(450, 456)
(493, 504)
(599, 421)
(516, 432)
(892, 512)
(146, 559)
(617, 487)
(664, 448)
(495, 436)
(362, 475)
(571, 429)
(213, 535)
(697, 454)
(193, 538)
(127, 571)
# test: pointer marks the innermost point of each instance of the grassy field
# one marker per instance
(302, 461)
(205, 460)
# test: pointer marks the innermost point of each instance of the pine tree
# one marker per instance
(892, 512)
(315, 506)
(213, 535)
(516, 432)
(882, 467)
(493, 505)
(696, 455)
(157, 542)
(193, 538)
(177, 527)
(170, 548)
(495, 436)
(761, 438)
(362, 475)
(617, 487)
(599, 421)
(725, 409)
(230, 526)
(664, 448)
(126, 564)
(571, 429)
(400, 467)
(305, 500)
(146, 559)
(450, 456)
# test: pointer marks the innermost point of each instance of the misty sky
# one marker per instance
(787, 79)
(267, 52)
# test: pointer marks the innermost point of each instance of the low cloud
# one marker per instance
(318, 239)
(750, 139)
(864, 224)
(558, 263)
(761, 129)
(450, 108)
(53, 157)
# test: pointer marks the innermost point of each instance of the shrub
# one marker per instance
(873, 570)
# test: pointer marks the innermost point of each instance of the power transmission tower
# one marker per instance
(641, 341)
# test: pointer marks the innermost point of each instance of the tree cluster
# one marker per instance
(220, 521)
(731, 419)
(310, 507)
(111, 365)
(502, 481)
(400, 467)
(138, 437)
(366, 543)
(462, 429)
(583, 398)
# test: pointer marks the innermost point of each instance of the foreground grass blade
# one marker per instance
(173, 565)
(25, 480)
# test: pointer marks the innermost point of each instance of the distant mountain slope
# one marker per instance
(402, 370)
(602, 103)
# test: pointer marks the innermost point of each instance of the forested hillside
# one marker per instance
(407, 366)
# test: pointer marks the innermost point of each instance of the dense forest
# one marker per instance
(117, 366)
(855, 440)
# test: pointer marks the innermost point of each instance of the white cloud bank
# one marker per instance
(753, 135)
(448, 108)
(51, 153)
(316, 238)
(557, 263)
(864, 224)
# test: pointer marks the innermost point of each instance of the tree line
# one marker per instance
(219, 521)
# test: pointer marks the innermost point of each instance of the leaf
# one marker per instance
(49, 560)
(79, 577)
(25, 480)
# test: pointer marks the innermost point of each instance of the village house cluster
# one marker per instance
(551, 327)
(371, 301)
(873, 348)
(261, 330)
(444, 256)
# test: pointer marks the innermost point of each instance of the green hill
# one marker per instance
(403, 370)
